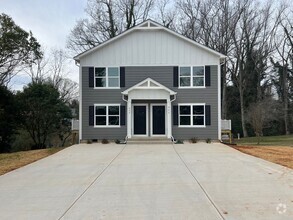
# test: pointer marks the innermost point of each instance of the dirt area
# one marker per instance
(12, 161)
(276, 154)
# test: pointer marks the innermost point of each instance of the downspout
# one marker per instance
(172, 138)
(80, 102)
(126, 137)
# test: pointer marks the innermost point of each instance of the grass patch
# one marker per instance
(12, 161)
(283, 140)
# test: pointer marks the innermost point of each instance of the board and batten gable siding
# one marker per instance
(149, 48)
(91, 96)
(163, 75)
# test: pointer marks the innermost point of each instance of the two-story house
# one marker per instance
(150, 81)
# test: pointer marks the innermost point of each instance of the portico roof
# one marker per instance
(148, 84)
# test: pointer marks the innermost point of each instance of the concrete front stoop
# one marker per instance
(149, 140)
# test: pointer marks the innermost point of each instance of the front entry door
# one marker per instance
(139, 120)
(158, 120)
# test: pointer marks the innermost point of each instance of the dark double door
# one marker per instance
(157, 119)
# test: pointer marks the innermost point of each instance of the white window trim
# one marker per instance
(107, 77)
(107, 116)
(191, 115)
(191, 78)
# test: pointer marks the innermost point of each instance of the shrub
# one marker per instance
(208, 140)
(89, 141)
(105, 141)
(194, 140)
(117, 141)
(179, 142)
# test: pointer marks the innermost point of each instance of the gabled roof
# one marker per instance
(149, 84)
(147, 25)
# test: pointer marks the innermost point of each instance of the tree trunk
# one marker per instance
(285, 91)
(242, 111)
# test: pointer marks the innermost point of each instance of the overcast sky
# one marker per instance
(49, 20)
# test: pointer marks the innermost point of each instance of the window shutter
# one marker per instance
(91, 115)
(175, 114)
(175, 76)
(208, 114)
(122, 115)
(122, 76)
(207, 75)
(91, 77)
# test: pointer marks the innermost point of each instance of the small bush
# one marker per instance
(89, 141)
(179, 142)
(105, 141)
(208, 140)
(117, 141)
(194, 140)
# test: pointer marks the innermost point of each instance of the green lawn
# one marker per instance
(283, 140)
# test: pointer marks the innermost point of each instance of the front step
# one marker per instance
(150, 140)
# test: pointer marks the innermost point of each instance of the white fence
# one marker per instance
(226, 125)
(74, 125)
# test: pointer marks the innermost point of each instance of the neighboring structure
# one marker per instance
(150, 81)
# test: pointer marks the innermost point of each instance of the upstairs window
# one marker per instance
(191, 77)
(107, 77)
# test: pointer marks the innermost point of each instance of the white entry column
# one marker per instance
(169, 120)
(129, 116)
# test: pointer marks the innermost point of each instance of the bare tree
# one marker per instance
(284, 68)
(167, 13)
(260, 114)
(53, 68)
(106, 19)
(213, 24)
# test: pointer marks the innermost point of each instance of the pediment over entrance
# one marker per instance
(149, 84)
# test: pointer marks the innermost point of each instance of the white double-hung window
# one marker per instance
(191, 115)
(107, 77)
(191, 77)
(107, 115)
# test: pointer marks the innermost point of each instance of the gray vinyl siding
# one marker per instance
(209, 96)
(163, 75)
(91, 96)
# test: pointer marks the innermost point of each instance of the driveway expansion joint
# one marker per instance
(202, 188)
(95, 180)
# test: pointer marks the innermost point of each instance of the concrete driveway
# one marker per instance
(189, 181)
